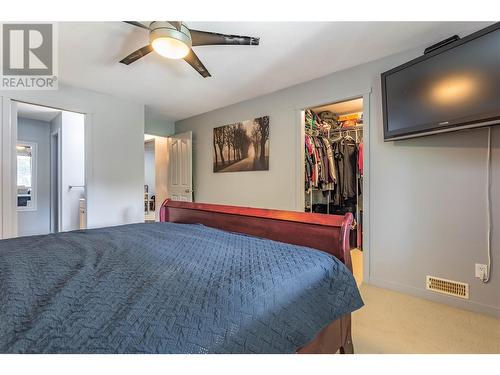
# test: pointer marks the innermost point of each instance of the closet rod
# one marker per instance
(350, 128)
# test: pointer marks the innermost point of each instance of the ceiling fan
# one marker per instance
(174, 40)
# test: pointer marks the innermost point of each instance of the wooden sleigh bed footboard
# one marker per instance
(329, 233)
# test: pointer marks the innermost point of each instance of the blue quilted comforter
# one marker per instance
(166, 288)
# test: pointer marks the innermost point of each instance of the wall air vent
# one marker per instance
(449, 287)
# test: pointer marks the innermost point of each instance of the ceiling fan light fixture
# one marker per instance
(169, 42)
(170, 47)
(173, 39)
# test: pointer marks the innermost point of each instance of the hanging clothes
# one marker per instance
(338, 157)
(332, 175)
(345, 155)
(321, 170)
(332, 166)
(311, 165)
(350, 168)
(360, 158)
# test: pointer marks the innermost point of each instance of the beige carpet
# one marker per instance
(392, 322)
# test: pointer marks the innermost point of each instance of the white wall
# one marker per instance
(427, 207)
(149, 166)
(72, 168)
(114, 140)
(37, 221)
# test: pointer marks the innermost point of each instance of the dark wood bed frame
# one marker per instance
(329, 233)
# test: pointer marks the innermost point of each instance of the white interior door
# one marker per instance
(180, 167)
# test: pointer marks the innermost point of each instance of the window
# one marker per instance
(26, 176)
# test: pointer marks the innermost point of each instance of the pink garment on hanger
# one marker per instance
(309, 145)
(360, 158)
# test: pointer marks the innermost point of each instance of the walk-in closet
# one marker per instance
(333, 157)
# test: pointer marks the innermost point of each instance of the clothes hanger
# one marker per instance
(337, 139)
(349, 138)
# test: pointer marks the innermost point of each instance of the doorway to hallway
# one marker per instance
(50, 170)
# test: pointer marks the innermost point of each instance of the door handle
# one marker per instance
(187, 191)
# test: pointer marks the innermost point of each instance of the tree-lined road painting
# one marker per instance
(243, 146)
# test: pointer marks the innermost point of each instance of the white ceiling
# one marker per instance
(36, 112)
(289, 53)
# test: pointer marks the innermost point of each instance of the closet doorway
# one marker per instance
(333, 159)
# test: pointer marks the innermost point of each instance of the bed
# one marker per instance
(206, 279)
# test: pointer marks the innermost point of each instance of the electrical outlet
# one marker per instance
(481, 271)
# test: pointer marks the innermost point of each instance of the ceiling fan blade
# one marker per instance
(205, 38)
(176, 24)
(138, 24)
(195, 62)
(136, 55)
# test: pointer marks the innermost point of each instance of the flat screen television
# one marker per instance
(454, 87)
